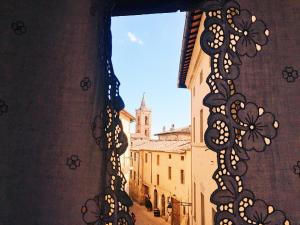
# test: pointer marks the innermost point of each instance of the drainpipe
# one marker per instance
(138, 177)
(151, 166)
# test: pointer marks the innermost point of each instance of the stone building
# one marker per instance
(173, 134)
(161, 169)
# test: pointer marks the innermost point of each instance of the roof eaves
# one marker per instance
(128, 114)
(192, 22)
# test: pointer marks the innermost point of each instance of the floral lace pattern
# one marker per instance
(85, 84)
(3, 107)
(19, 27)
(111, 207)
(91, 212)
(260, 127)
(252, 34)
(235, 126)
(290, 74)
(73, 162)
(297, 169)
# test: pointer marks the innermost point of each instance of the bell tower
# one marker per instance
(143, 120)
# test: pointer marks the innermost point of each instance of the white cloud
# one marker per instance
(133, 38)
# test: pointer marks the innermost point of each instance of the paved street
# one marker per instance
(143, 217)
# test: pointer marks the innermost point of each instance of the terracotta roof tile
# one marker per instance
(158, 145)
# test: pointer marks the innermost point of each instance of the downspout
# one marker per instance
(151, 166)
(138, 168)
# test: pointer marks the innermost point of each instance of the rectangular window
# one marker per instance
(182, 158)
(134, 174)
(170, 156)
(201, 77)
(194, 202)
(201, 126)
(146, 158)
(157, 179)
(182, 176)
(194, 129)
(130, 174)
(157, 160)
(202, 210)
(134, 156)
(170, 173)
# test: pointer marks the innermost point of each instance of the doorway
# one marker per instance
(163, 205)
(155, 199)
(176, 211)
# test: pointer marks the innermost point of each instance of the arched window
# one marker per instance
(146, 120)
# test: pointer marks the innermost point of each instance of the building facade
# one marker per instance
(175, 134)
(126, 119)
(160, 169)
(194, 69)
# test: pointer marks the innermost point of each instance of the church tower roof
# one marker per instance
(143, 121)
(143, 103)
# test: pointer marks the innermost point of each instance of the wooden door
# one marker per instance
(175, 212)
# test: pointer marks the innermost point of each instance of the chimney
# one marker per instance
(172, 127)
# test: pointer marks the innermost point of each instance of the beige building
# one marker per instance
(194, 69)
(126, 119)
(161, 169)
(175, 134)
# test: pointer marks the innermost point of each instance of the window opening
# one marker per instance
(169, 173)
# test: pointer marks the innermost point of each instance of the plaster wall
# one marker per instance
(204, 161)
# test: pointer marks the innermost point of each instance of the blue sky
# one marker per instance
(146, 55)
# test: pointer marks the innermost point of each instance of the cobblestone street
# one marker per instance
(143, 217)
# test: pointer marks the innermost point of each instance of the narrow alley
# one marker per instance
(143, 217)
